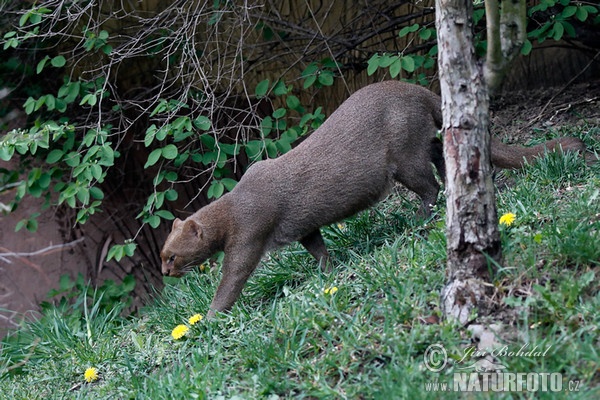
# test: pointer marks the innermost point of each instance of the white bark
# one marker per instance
(471, 222)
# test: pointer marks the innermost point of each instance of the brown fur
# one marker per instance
(383, 133)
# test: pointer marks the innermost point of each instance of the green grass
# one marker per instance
(287, 338)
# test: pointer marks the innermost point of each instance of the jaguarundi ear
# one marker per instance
(191, 227)
(176, 223)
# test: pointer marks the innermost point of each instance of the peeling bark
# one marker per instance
(471, 222)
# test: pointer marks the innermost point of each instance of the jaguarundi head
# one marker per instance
(184, 249)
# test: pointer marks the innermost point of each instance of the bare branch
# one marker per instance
(46, 250)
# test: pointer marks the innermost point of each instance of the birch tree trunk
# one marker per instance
(471, 223)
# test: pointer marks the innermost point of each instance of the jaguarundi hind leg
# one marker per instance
(423, 183)
(313, 242)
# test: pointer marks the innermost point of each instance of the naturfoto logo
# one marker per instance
(481, 371)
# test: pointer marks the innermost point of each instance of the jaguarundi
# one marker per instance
(384, 132)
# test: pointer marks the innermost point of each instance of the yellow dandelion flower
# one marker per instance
(195, 319)
(330, 290)
(202, 267)
(507, 219)
(179, 331)
(90, 374)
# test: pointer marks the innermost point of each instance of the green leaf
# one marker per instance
(433, 51)
(329, 63)
(96, 193)
(527, 47)
(162, 133)
(569, 29)
(202, 123)
(478, 15)
(41, 64)
(373, 64)
(72, 159)
(35, 18)
(54, 156)
(310, 70)
(96, 171)
(559, 31)
(262, 88)
(6, 153)
(182, 122)
(73, 91)
(582, 13)
(20, 225)
(50, 102)
(90, 99)
(83, 194)
(408, 63)
(115, 252)
(170, 151)
(385, 61)
(24, 18)
(58, 61)
(253, 149)
(150, 134)
(293, 102)
(165, 214)
(271, 148)
(283, 146)
(569, 11)
(426, 33)
(266, 126)
(153, 221)
(215, 190)
(279, 113)
(171, 195)
(395, 68)
(325, 78)
(208, 140)
(40, 102)
(229, 183)
(280, 89)
(209, 157)
(309, 81)
(230, 149)
(107, 155)
(153, 157)
(29, 105)
(408, 29)
(118, 251)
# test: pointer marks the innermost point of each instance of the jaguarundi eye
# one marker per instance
(171, 259)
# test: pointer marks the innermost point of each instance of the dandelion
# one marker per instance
(202, 267)
(507, 219)
(195, 319)
(330, 290)
(179, 331)
(90, 374)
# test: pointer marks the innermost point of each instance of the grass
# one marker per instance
(288, 338)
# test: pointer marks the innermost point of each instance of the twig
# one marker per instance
(44, 251)
(541, 114)
(27, 357)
